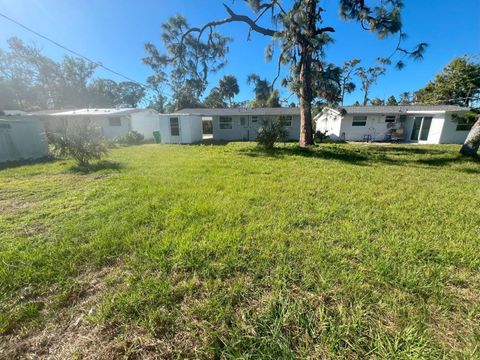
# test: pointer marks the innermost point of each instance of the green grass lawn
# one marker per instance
(169, 251)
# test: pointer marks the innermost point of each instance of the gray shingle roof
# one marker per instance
(402, 109)
(240, 111)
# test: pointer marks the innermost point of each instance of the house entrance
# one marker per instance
(421, 128)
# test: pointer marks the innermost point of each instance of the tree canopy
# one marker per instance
(215, 99)
(228, 88)
(347, 86)
(265, 95)
(457, 84)
(30, 80)
(187, 62)
(368, 77)
(299, 36)
(392, 101)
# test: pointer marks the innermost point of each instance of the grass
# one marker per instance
(344, 251)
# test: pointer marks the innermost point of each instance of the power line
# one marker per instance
(76, 53)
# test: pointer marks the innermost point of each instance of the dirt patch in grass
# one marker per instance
(68, 334)
(15, 206)
(457, 329)
(33, 229)
(72, 333)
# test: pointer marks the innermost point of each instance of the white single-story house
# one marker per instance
(180, 128)
(21, 139)
(428, 124)
(112, 122)
(240, 124)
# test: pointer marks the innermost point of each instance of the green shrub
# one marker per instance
(320, 136)
(271, 132)
(81, 140)
(130, 138)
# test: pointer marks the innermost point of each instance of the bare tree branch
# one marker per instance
(324, 30)
(279, 67)
(233, 18)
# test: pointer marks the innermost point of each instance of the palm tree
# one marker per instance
(405, 98)
(262, 89)
(228, 87)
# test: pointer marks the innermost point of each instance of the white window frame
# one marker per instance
(225, 122)
(390, 118)
(464, 125)
(176, 127)
(357, 119)
(286, 120)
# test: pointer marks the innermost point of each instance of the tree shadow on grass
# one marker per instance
(441, 161)
(370, 155)
(14, 164)
(351, 156)
(403, 150)
(472, 171)
(96, 167)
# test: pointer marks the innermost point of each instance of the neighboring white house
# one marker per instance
(237, 124)
(180, 128)
(21, 139)
(428, 124)
(112, 122)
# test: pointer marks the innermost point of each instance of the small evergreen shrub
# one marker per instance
(270, 133)
(130, 138)
(81, 141)
(320, 136)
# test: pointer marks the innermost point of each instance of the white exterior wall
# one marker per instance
(330, 122)
(22, 140)
(375, 127)
(450, 135)
(196, 128)
(249, 131)
(294, 130)
(442, 129)
(435, 132)
(145, 122)
(190, 129)
(111, 132)
(57, 122)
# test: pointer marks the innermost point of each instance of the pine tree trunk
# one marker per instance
(306, 136)
(305, 97)
(472, 143)
(305, 80)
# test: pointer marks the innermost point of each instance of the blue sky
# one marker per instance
(114, 32)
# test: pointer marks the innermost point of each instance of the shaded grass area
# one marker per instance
(342, 251)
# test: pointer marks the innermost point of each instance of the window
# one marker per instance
(226, 122)
(359, 121)
(174, 127)
(390, 118)
(243, 121)
(427, 122)
(286, 121)
(421, 128)
(465, 124)
(5, 126)
(115, 121)
(254, 119)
